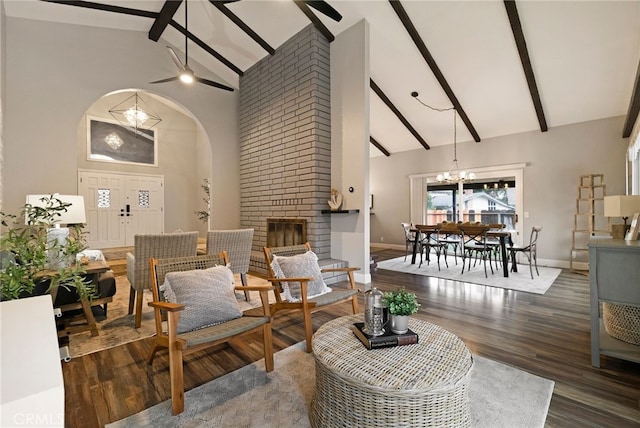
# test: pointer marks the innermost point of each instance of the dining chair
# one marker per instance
(530, 250)
(474, 238)
(494, 243)
(409, 238)
(430, 241)
(449, 235)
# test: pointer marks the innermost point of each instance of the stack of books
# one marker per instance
(386, 340)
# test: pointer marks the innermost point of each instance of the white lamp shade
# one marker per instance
(75, 213)
(621, 205)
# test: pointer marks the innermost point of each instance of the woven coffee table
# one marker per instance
(422, 385)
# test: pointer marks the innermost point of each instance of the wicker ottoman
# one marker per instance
(422, 385)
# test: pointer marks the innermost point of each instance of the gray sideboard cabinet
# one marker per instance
(614, 275)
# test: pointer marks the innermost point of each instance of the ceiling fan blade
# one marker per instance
(170, 79)
(324, 8)
(175, 58)
(212, 83)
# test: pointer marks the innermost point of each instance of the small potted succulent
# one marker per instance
(400, 304)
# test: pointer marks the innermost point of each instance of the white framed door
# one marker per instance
(121, 205)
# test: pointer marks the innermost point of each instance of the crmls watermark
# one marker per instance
(38, 419)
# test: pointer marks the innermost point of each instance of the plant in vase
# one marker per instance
(25, 251)
(401, 304)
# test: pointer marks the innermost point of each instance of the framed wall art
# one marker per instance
(109, 141)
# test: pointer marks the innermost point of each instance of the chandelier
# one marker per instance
(130, 114)
(454, 174)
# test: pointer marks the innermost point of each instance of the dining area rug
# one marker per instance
(117, 327)
(500, 396)
(520, 280)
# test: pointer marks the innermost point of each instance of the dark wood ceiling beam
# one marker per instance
(153, 15)
(206, 47)
(521, 43)
(634, 107)
(244, 27)
(315, 20)
(395, 110)
(422, 48)
(106, 8)
(169, 9)
(379, 146)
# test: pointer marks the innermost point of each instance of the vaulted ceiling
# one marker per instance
(507, 66)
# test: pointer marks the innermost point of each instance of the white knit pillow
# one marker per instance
(208, 296)
(299, 266)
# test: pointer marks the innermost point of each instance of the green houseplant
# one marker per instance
(25, 251)
(401, 304)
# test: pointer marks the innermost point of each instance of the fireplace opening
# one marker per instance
(283, 232)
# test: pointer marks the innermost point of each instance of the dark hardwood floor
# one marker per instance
(547, 335)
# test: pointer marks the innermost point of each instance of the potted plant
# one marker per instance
(400, 304)
(25, 251)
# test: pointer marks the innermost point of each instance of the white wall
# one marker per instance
(2, 89)
(350, 146)
(54, 72)
(555, 160)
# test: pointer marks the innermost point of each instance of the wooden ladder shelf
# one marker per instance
(589, 220)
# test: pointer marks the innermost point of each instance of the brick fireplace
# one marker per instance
(285, 147)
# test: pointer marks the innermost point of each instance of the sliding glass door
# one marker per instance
(495, 196)
(486, 201)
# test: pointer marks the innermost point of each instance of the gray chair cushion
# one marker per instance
(207, 294)
(298, 266)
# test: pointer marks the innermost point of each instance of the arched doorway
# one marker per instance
(129, 193)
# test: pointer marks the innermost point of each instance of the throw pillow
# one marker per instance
(298, 266)
(208, 297)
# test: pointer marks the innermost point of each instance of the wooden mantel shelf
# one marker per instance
(340, 211)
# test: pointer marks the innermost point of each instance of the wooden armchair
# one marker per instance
(188, 296)
(305, 301)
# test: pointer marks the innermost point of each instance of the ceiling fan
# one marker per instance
(186, 74)
(319, 5)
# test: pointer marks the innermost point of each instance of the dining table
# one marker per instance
(501, 235)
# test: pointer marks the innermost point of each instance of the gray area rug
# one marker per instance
(520, 281)
(118, 327)
(500, 396)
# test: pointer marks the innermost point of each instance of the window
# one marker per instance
(432, 202)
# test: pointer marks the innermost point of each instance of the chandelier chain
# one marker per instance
(461, 176)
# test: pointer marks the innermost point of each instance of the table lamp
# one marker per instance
(75, 214)
(621, 206)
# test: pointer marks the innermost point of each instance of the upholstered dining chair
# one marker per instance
(298, 284)
(198, 295)
(161, 246)
(530, 250)
(237, 244)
